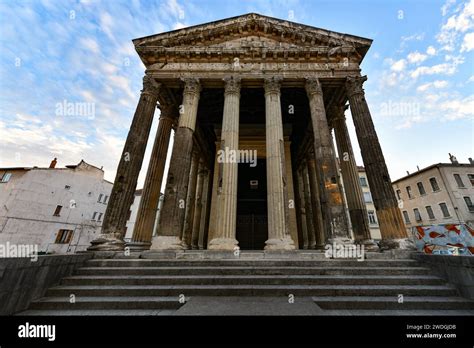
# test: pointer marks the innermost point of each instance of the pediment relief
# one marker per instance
(249, 34)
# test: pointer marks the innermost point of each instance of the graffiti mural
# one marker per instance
(445, 239)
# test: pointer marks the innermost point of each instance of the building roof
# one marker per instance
(437, 165)
(69, 166)
(250, 24)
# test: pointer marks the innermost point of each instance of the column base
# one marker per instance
(107, 242)
(368, 244)
(280, 244)
(223, 244)
(340, 240)
(167, 243)
(138, 246)
(403, 244)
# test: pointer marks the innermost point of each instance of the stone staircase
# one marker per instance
(330, 287)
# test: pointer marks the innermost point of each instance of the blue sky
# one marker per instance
(420, 68)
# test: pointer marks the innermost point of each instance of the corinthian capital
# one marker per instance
(150, 86)
(337, 111)
(354, 85)
(272, 84)
(313, 86)
(191, 85)
(232, 85)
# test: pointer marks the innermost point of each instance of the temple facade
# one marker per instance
(256, 104)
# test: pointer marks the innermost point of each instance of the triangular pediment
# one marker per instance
(249, 34)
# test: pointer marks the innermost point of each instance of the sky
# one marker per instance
(55, 55)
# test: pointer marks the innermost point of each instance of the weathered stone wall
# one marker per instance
(457, 270)
(23, 280)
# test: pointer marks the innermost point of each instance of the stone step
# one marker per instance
(391, 303)
(403, 312)
(252, 263)
(251, 280)
(99, 312)
(106, 302)
(262, 270)
(252, 290)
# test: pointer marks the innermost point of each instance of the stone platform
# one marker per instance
(255, 283)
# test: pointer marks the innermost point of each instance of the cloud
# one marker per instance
(399, 65)
(458, 108)
(106, 24)
(179, 25)
(456, 25)
(416, 57)
(442, 69)
(431, 50)
(90, 44)
(468, 42)
(434, 84)
(446, 6)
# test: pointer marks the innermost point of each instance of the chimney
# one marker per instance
(408, 173)
(470, 160)
(453, 159)
(418, 168)
(53, 163)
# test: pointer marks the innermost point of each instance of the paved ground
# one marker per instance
(249, 306)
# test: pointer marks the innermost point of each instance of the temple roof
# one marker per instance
(255, 33)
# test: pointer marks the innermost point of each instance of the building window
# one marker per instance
(469, 203)
(100, 198)
(363, 181)
(434, 184)
(430, 212)
(399, 195)
(421, 188)
(458, 179)
(372, 219)
(471, 178)
(6, 177)
(64, 236)
(406, 217)
(100, 217)
(367, 197)
(94, 216)
(410, 196)
(106, 198)
(444, 209)
(58, 210)
(417, 214)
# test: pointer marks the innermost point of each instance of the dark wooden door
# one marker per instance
(252, 221)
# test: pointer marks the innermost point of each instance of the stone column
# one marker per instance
(206, 207)
(215, 198)
(388, 213)
(279, 237)
(224, 236)
(320, 236)
(147, 210)
(202, 172)
(174, 205)
(190, 201)
(303, 229)
(125, 183)
(292, 225)
(350, 176)
(334, 215)
(309, 208)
